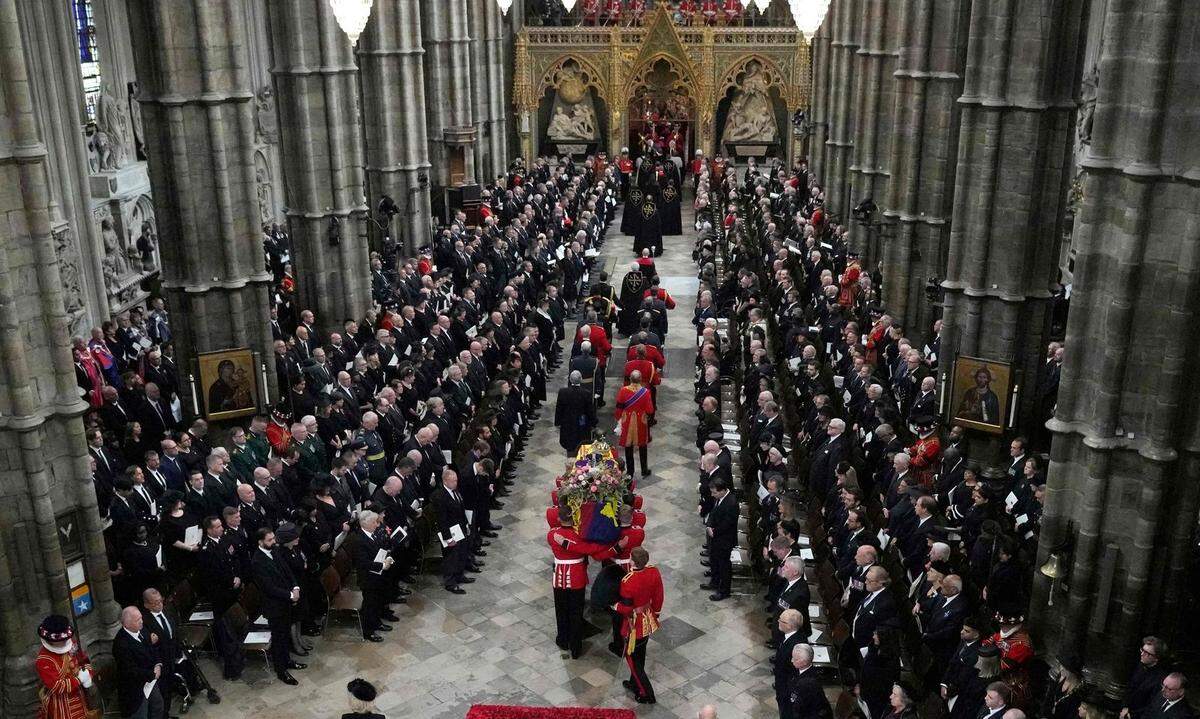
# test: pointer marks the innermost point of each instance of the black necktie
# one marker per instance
(166, 625)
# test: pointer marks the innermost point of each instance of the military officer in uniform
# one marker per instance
(376, 456)
(640, 604)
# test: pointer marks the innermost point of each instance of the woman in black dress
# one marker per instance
(178, 556)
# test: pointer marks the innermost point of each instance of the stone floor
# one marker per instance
(495, 644)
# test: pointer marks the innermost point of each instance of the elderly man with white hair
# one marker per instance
(822, 471)
(805, 696)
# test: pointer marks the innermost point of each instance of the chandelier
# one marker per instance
(352, 16)
(808, 14)
(504, 6)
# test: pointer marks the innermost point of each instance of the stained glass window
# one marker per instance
(89, 57)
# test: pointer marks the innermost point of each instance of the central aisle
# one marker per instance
(495, 644)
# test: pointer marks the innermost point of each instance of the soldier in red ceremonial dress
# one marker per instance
(634, 407)
(641, 603)
(926, 453)
(1016, 651)
(65, 671)
(571, 553)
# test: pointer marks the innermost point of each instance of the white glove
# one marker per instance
(85, 678)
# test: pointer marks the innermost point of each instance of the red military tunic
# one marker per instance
(634, 406)
(634, 536)
(709, 9)
(62, 696)
(733, 10)
(650, 376)
(1016, 651)
(570, 557)
(552, 517)
(653, 354)
(641, 603)
(698, 165)
(925, 454)
(279, 437)
(663, 295)
(625, 165)
(600, 344)
(639, 517)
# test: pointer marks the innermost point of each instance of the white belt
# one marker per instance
(569, 561)
(622, 561)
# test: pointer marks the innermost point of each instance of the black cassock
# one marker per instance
(649, 235)
(575, 415)
(632, 219)
(669, 208)
(633, 287)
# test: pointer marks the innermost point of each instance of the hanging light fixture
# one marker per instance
(762, 5)
(504, 6)
(352, 16)
(569, 5)
(808, 14)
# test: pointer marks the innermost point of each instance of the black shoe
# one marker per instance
(645, 473)
(231, 677)
(403, 591)
(373, 638)
(399, 599)
(213, 697)
(703, 552)
(311, 632)
(705, 563)
(391, 617)
(647, 700)
(288, 679)
(576, 653)
(493, 527)
(301, 652)
(489, 534)
(473, 570)
(297, 665)
(467, 580)
(616, 649)
(708, 587)
(385, 627)
(497, 505)
(708, 573)
(718, 596)
(456, 590)
(770, 644)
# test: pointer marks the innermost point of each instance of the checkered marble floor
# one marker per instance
(495, 644)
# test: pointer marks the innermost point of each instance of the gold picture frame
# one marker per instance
(228, 383)
(980, 394)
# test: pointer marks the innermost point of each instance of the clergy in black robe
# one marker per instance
(649, 235)
(631, 220)
(671, 200)
(632, 289)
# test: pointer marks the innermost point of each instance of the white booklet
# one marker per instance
(191, 535)
(258, 638)
(456, 535)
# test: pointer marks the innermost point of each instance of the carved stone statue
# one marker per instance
(266, 125)
(111, 120)
(578, 124)
(1087, 106)
(135, 117)
(751, 113)
(116, 261)
(68, 271)
(100, 150)
(263, 181)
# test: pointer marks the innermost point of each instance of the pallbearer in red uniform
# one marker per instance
(926, 453)
(634, 535)
(571, 553)
(641, 602)
(65, 671)
(643, 365)
(634, 407)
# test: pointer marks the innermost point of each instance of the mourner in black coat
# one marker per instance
(574, 414)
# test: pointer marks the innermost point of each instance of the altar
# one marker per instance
(677, 88)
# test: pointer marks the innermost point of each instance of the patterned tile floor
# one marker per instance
(495, 644)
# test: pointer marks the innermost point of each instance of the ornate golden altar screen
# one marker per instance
(602, 86)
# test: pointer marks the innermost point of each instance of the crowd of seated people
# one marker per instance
(391, 431)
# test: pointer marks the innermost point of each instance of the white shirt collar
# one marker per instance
(1005, 634)
(788, 635)
(135, 635)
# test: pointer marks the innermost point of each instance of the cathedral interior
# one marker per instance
(195, 194)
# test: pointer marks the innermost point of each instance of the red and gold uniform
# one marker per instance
(709, 9)
(849, 284)
(688, 9)
(926, 454)
(661, 294)
(58, 665)
(634, 406)
(650, 375)
(732, 10)
(279, 436)
(1016, 651)
(571, 553)
(641, 603)
(639, 517)
(634, 536)
(591, 11)
(653, 354)
(601, 347)
(612, 12)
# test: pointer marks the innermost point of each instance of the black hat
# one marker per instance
(988, 651)
(287, 532)
(1010, 618)
(357, 445)
(1072, 662)
(55, 629)
(978, 622)
(362, 690)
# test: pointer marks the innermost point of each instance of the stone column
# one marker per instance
(316, 91)
(481, 107)
(391, 55)
(499, 87)
(43, 456)
(844, 45)
(198, 112)
(925, 116)
(1124, 470)
(876, 61)
(448, 78)
(1011, 182)
(819, 106)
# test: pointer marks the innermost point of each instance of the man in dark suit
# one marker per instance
(137, 665)
(789, 625)
(280, 592)
(172, 467)
(876, 609)
(574, 413)
(722, 538)
(109, 464)
(123, 515)
(218, 577)
(1171, 703)
(710, 422)
(1142, 691)
(154, 414)
(201, 501)
(113, 413)
(371, 568)
(456, 547)
(805, 694)
(944, 622)
(821, 474)
(590, 371)
(793, 594)
(180, 676)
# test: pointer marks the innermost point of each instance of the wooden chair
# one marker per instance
(240, 625)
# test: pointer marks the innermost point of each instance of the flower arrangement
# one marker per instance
(595, 476)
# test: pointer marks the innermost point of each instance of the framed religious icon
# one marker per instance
(980, 394)
(228, 383)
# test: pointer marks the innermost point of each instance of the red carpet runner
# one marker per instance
(499, 711)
